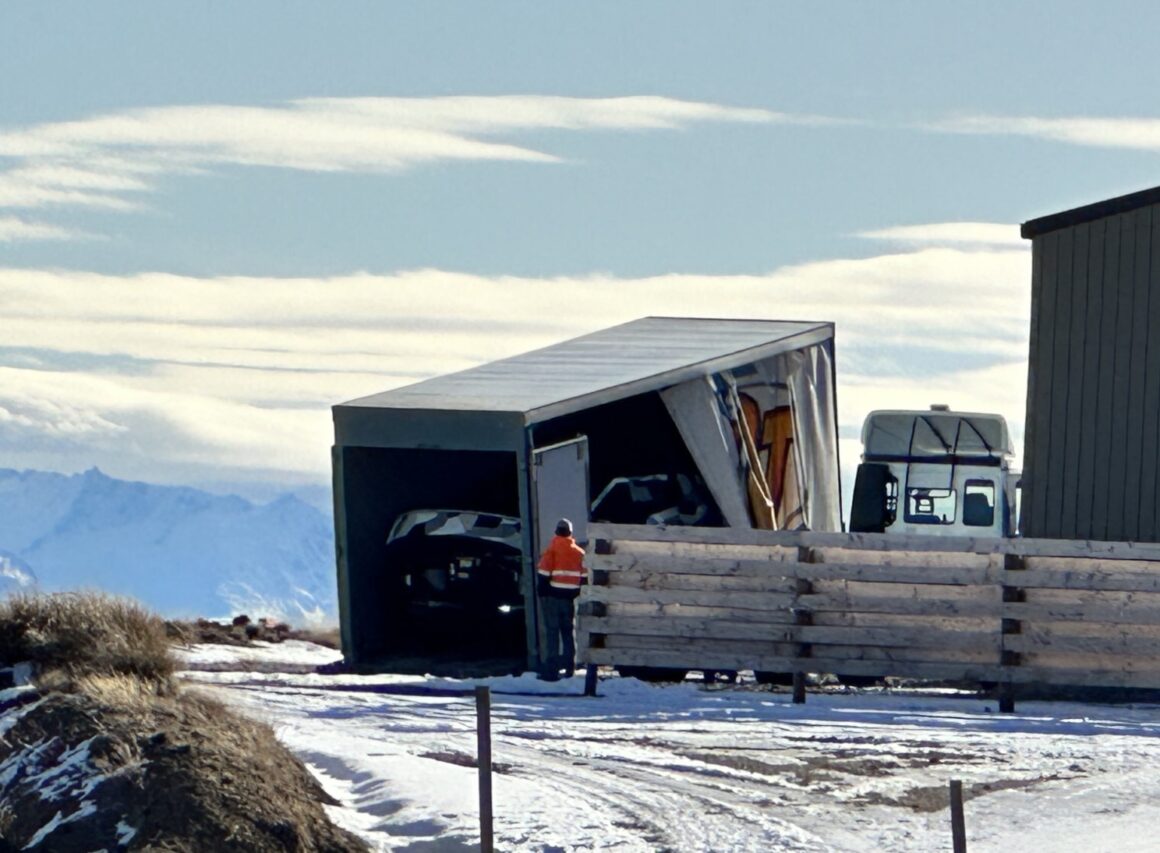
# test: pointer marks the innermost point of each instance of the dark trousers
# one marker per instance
(560, 652)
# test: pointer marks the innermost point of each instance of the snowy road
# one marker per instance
(681, 767)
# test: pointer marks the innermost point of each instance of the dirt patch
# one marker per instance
(835, 739)
(802, 773)
(912, 754)
(924, 798)
(828, 769)
(807, 769)
(872, 766)
(648, 833)
(928, 758)
(464, 760)
(744, 763)
(933, 798)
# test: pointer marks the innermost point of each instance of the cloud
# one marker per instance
(521, 112)
(110, 161)
(952, 233)
(15, 230)
(57, 420)
(1141, 134)
(181, 379)
(947, 299)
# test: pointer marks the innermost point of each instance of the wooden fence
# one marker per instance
(1017, 611)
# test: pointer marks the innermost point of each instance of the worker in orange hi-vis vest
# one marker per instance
(560, 573)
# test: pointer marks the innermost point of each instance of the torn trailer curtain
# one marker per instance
(764, 436)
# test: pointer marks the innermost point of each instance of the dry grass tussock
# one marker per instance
(85, 634)
(328, 637)
(126, 693)
(125, 746)
(243, 631)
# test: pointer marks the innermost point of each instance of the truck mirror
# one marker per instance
(875, 498)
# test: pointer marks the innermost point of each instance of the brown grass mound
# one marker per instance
(130, 769)
(328, 637)
(85, 634)
(101, 757)
(243, 633)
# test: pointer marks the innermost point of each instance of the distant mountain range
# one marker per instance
(178, 550)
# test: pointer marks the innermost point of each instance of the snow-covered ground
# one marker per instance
(684, 767)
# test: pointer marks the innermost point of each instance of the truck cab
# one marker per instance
(935, 473)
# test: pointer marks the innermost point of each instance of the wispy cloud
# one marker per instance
(111, 161)
(1138, 133)
(171, 377)
(949, 233)
(14, 229)
(507, 113)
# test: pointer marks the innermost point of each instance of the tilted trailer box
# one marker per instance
(446, 490)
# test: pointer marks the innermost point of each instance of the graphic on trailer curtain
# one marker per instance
(771, 429)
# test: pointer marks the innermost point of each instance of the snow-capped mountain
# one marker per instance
(181, 551)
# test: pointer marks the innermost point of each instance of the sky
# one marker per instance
(218, 220)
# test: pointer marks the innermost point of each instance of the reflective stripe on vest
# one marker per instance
(563, 563)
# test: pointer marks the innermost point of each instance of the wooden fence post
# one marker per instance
(1011, 594)
(597, 577)
(483, 738)
(801, 616)
(958, 824)
(799, 688)
(590, 680)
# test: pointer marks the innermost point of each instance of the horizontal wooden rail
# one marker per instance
(1018, 611)
(1075, 548)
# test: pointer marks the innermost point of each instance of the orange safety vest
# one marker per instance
(563, 563)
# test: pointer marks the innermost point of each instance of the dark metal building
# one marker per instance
(408, 463)
(1093, 392)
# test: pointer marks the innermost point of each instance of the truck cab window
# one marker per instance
(979, 503)
(930, 506)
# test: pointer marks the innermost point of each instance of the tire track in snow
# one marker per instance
(660, 805)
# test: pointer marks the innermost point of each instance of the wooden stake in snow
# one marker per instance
(483, 737)
(958, 825)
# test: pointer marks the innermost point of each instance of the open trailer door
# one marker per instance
(560, 485)
(559, 490)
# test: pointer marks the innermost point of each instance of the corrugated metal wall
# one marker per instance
(1093, 395)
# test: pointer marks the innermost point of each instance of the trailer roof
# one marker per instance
(632, 358)
(1089, 212)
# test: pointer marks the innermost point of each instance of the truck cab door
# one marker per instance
(875, 503)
